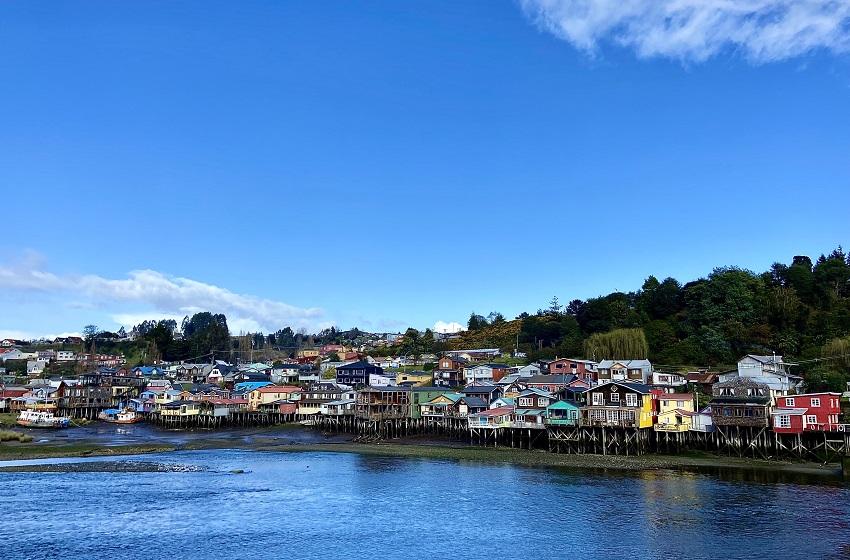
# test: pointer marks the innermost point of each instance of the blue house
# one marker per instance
(147, 371)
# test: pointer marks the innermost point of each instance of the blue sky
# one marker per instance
(387, 164)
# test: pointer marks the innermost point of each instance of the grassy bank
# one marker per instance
(16, 452)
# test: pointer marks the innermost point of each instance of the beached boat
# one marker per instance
(116, 416)
(41, 419)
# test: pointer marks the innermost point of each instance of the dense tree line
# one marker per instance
(793, 309)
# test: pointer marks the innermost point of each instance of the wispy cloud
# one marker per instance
(696, 30)
(168, 296)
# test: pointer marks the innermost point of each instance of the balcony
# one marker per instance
(562, 421)
(529, 425)
(672, 427)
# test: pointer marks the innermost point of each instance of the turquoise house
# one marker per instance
(563, 413)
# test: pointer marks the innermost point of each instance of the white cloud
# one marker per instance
(24, 335)
(695, 30)
(169, 297)
(443, 327)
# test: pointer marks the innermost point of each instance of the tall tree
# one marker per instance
(620, 344)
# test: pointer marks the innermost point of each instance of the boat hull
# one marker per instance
(54, 423)
(114, 416)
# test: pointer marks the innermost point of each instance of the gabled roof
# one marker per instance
(530, 412)
(287, 366)
(250, 385)
(790, 411)
(501, 411)
(563, 404)
(357, 365)
(747, 399)
(538, 392)
(474, 402)
(277, 389)
(639, 387)
(676, 397)
(553, 379)
(178, 404)
(629, 364)
(479, 389)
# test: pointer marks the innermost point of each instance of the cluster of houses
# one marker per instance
(760, 392)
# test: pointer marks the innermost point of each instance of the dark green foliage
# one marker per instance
(792, 309)
(476, 322)
(619, 344)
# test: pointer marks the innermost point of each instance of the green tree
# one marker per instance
(90, 333)
(410, 343)
(476, 322)
(723, 309)
(620, 344)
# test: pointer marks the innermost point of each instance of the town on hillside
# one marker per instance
(479, 390)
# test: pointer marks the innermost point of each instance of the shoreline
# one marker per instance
(286, 439)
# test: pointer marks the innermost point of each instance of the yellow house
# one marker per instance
(272, 393)
(181, 408)
(307, 354)
(418, 378)
(675, 412)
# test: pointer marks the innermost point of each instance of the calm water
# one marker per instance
(315, 505)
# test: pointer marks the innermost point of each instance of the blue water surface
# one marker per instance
(339, 505)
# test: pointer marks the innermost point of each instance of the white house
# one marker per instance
(668, 379)
(379, 380)
(477, 373)
(65, 356)
(35, 367)
(770, 370)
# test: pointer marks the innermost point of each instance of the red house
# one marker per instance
(583, 369)
(818, 412)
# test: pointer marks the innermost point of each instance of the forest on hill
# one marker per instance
(800, 310)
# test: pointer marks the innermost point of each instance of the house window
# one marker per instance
(727, 411)
(542, 403)
(631, 399)
(811, 419)
(789, 401)
(748, 412)
(815, 401)
(783, 421)
(615, 397)
(598, 399)
(525, 402)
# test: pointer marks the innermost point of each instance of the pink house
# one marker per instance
(796, 414)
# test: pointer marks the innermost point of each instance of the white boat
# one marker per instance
(41, 419)
(116, 416)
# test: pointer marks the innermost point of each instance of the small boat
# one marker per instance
(116, 416)
(41, 419)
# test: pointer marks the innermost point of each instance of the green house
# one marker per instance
(563, 413)
(421, 395)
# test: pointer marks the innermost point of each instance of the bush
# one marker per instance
(7, 435)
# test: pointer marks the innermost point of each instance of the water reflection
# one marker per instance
(311, 505)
